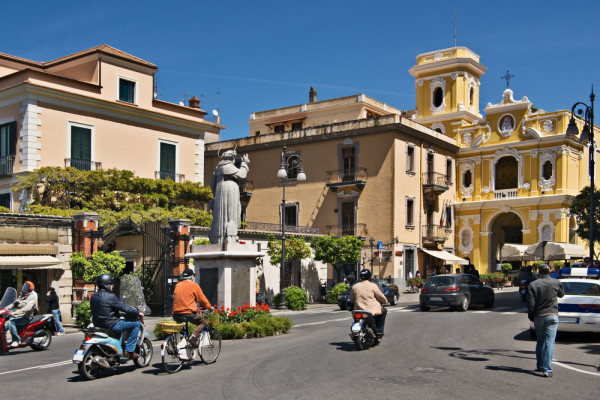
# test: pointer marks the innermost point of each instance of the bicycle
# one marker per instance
(177, 348)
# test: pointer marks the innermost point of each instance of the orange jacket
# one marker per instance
(185, 297)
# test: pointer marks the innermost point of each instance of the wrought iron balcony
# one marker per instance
(165, 175)
(346, 177)
(435, 182)
(505, 194)
(434, 234)
(82, 165)
(263, 226)
(358, 230)
(6, 165)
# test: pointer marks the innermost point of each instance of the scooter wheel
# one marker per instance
(42, 339)
(88, 368)
(359, 342)
(145, 354)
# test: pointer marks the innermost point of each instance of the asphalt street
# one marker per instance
(424, 355)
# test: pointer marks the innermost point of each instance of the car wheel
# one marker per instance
(425, 308)
(342, 307)
(464, 304)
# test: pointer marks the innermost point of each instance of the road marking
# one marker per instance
(57, 364)
(322, 322)
(575, 369)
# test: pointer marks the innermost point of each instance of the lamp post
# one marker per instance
(372, 243)
(283, 175)
(587, 134)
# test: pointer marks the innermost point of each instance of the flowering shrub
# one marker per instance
(244, 313)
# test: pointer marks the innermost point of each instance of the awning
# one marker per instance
(549, 251)
(513, 252)
(448, 258)
(30, 262)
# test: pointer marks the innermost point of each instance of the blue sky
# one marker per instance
(261, 55)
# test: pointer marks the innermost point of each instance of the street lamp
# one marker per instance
(587, 134)
(283, 175)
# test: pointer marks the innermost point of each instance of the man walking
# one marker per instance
(542, 308)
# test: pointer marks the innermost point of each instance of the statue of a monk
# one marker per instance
(226, 209)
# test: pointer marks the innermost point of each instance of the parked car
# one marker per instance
(390, 291)
(579, 309)
(456, 291)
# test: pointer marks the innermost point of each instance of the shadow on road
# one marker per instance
(344, 346)
(512, 369)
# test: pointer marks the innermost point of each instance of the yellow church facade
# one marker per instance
(516, 169)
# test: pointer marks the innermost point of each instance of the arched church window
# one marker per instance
(438, 96)
(471, 97)
(467, 179)
(507, 172)
(547, 170)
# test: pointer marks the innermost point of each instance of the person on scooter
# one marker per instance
(105, 308)
(366, 295)
(21, 312)
(186, 297)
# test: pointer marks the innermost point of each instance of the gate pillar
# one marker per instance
(86, 232)
(181, 239)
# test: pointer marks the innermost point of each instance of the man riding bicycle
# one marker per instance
(186, 297)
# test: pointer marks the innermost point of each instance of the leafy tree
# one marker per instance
(296, 249)
(114, 194)
(580, 208)
(337, 251)
(99, 263)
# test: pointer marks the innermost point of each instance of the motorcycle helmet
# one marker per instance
(104, 281)
(28, 287)
(365, 275)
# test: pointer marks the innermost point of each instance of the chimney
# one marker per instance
(194, 102)
(312, 95)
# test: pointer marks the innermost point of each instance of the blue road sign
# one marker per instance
(380, 245)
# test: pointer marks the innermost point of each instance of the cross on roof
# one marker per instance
(508, 76)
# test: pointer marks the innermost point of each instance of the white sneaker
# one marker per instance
(60, 333)
(14, 344)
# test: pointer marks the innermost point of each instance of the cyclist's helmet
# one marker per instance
(104, 281)
(365, 275)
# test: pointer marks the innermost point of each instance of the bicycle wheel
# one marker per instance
(210, 346)
(170, 358)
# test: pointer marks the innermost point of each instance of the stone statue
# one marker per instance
(226, 207)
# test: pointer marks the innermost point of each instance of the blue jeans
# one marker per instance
(55, 316)
(13, 323)
(133, 327)
(545, 329)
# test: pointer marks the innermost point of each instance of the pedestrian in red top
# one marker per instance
(186, 297)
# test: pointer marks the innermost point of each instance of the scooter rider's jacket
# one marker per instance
(366, 296)
(24, 306)
(105, 308)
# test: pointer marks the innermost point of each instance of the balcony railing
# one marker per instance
(82, 165)
(346, 177)
(435, 233)
(435, 181)
(6, 165)
(263, 226)
(165, 175)
(347, 230)
(505, 194)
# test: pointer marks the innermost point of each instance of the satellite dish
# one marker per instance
(181, 103)
(216, 113)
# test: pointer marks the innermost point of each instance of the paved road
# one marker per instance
(438, 354)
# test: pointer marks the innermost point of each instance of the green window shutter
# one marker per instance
(8, 139)
(81, 143)
(167, 157)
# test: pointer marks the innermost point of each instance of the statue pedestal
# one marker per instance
(227, 277)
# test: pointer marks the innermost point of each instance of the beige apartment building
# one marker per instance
(371, 172)
(95, 109)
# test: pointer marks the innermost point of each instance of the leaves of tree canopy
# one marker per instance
(337, 251)
(580, 208)
(295, 249)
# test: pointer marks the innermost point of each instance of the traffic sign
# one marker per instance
(380, 245)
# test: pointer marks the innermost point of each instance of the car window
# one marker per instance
(581, 288)
(440, 281)
(472, 280)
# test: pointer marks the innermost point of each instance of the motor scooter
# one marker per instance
(361, 332)
(102, 349)
(37, 334)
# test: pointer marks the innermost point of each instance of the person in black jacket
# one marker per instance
(105, 308)
(542, 309)
(53, 306)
